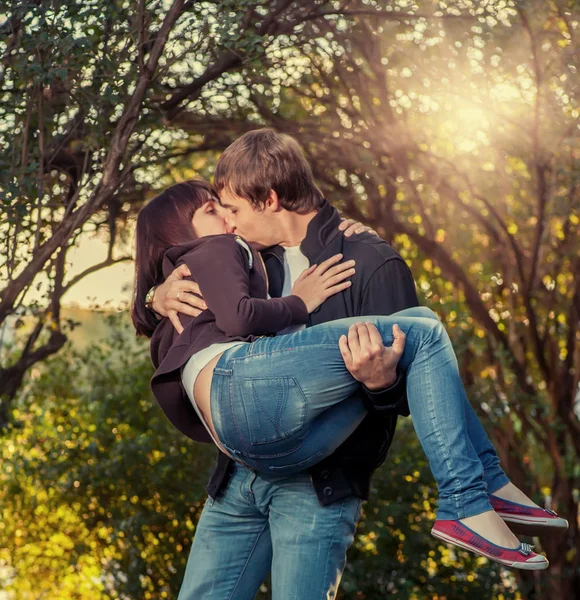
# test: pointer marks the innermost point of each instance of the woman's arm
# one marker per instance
(221, 269)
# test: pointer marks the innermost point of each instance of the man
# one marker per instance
(297, 527)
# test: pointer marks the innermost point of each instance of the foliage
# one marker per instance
(394, 554)
(100, 496)
(93, 99)
(451, 127)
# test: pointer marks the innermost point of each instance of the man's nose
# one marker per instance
(230, 225)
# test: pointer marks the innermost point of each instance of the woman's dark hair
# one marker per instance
(164, 222)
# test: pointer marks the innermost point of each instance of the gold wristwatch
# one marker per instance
(149, 298)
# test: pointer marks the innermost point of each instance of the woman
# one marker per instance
(281, 404)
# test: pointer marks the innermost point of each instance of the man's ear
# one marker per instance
(272, 202)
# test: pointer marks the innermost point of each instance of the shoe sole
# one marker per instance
(537, 566)
(532, 526)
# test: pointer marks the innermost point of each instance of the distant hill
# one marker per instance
(94, 326)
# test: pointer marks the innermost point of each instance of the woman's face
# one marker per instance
(209, 219)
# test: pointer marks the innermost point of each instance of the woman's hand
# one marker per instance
(319, 282)
(178, 295)
(352, 227)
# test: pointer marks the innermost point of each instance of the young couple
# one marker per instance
(287, 355)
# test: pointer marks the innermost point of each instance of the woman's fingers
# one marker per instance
(179, 273)
(174, 318)
(339, 287)
(305, 273)
(340, 277)
(338, 269)
(329, 262)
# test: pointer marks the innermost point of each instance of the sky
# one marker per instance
(111, 286)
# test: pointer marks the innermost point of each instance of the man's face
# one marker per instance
(256, 225)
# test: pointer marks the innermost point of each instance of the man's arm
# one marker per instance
(178, 294)
(390, 289)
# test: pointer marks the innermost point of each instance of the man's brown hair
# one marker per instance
(264, 160)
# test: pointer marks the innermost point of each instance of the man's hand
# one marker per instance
(368, 359)
(177, 295)
(351, 227)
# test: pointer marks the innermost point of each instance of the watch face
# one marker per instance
(149, 297)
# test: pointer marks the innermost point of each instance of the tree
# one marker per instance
(100, 497)
(457, 139)
(450, 127)
(93, 98)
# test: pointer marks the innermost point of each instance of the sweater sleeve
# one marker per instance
(221, 269)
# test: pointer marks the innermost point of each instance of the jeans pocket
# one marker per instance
(272, 409)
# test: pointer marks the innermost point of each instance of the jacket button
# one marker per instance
(328, 492)
(325, 474)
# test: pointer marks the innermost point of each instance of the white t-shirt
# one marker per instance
(294, 263)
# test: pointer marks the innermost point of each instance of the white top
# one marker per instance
(294, 263)
(193, 368)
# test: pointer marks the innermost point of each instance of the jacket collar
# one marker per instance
(322, 229)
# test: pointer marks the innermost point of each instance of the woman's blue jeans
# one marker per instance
(282, 404)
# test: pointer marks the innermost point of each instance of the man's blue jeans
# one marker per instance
(270, 521)
(281, 404)
(267, 522)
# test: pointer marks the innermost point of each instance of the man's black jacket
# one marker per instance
(382, 285)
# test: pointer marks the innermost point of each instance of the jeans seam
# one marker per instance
(233, 412)
(332, 541)
(442, 445)
(275, 421)
(231, 597)
(282, 350)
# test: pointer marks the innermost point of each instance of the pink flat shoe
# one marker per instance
(528, 520)
(522, 557)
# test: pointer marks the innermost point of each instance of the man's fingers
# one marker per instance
(345, 351)
(174, 318)
(375, 336)
(353, 341)
(399, 341)
(364, 341)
